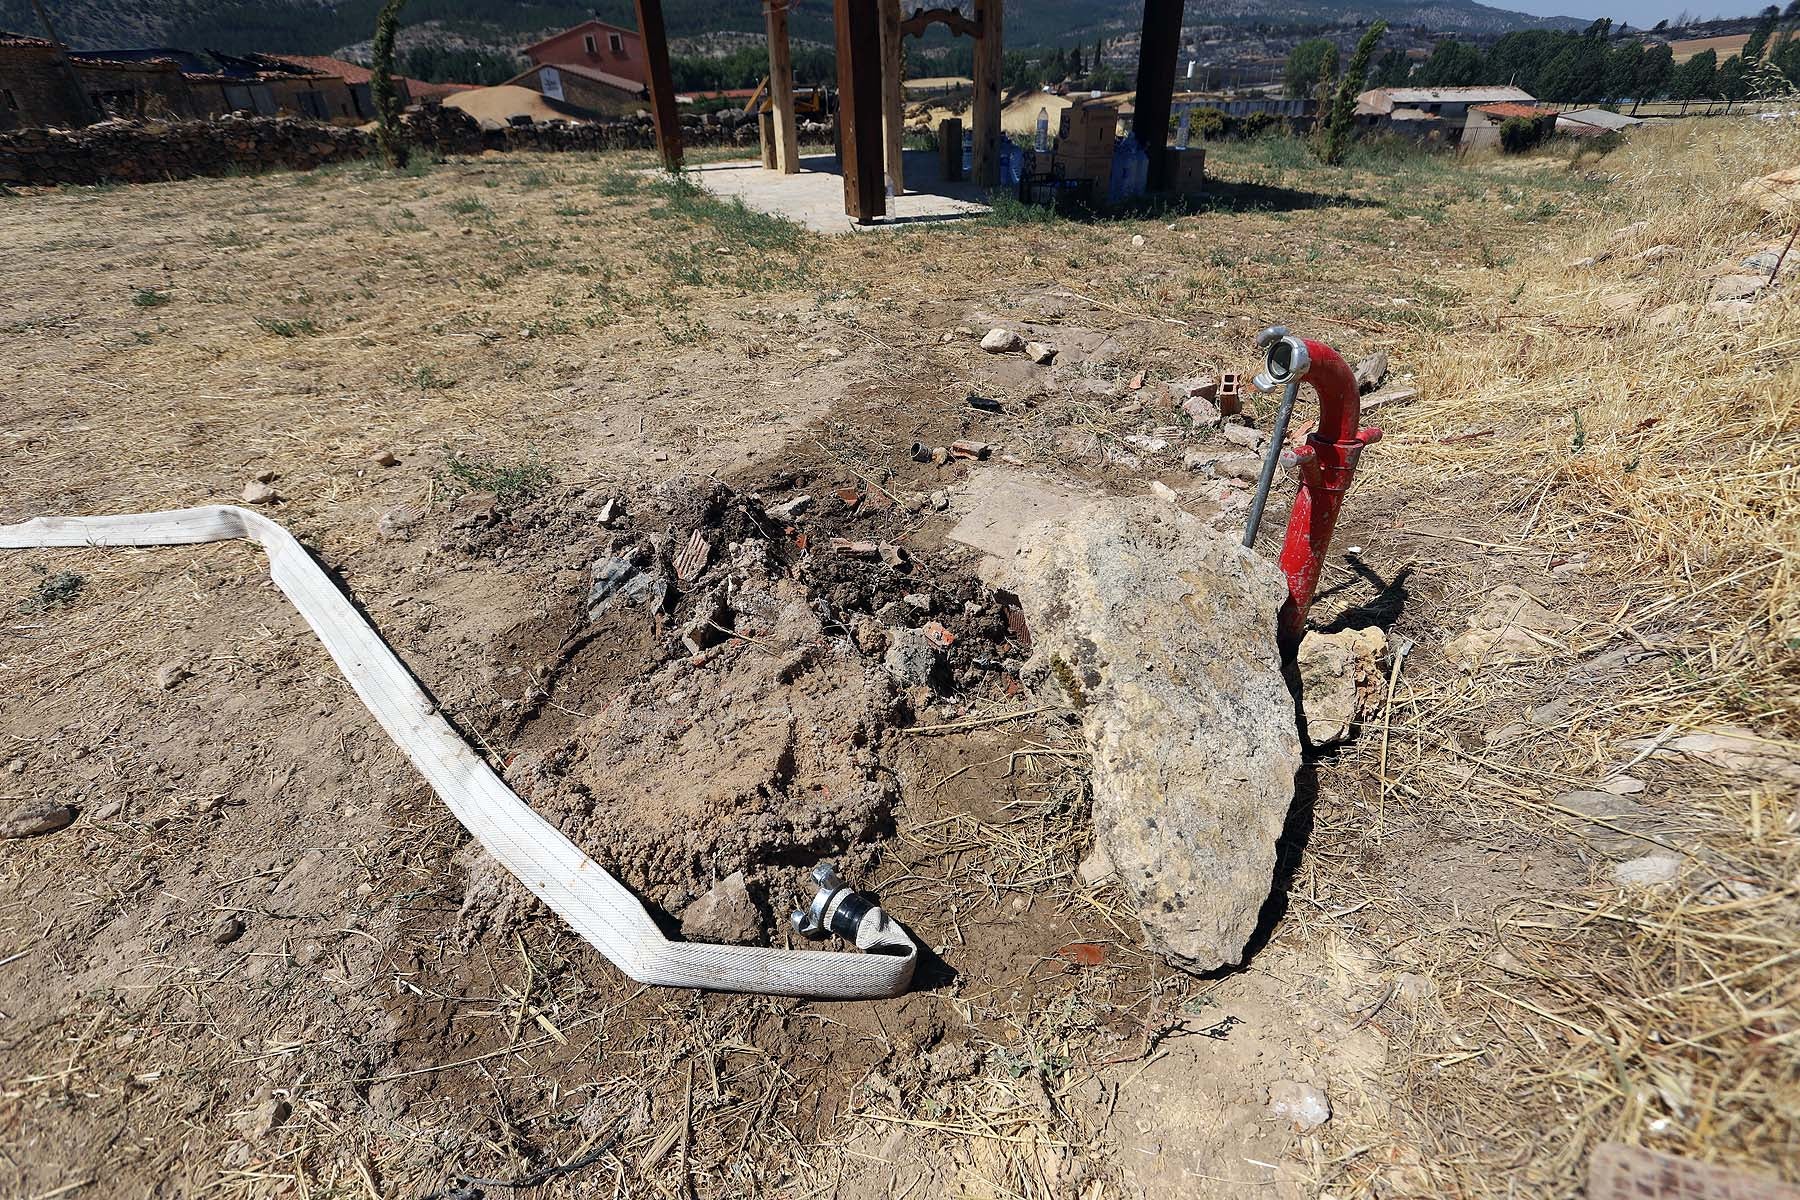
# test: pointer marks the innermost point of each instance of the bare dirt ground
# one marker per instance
(264, 960)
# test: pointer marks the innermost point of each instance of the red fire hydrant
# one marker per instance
(1327, 463)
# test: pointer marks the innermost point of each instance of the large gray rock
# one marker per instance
(1161, 632)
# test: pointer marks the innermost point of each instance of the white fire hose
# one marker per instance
(597, 906)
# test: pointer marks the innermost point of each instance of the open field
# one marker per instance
(264, 960)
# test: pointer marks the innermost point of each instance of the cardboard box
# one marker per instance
(1086, 126)
(1085, 166)
(1187, 170)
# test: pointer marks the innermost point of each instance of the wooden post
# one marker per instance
(859, 108)
(765, 136)
(985, 119)
(662, 87)
(950, 148)
(781, 87)
(1157, 50)
(893, 114)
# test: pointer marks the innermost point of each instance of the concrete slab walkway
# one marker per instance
(815, 196)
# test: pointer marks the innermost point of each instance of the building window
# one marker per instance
(615, 43)
(587, 40)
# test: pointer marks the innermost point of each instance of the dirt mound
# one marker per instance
(714, 697)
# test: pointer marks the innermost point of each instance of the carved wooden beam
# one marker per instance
(915, 25)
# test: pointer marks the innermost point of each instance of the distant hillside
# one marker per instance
(310, 27)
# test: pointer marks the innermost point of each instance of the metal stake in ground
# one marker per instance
(1286, 362)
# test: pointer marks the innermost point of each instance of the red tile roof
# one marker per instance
(320, 64)
(1527, 111)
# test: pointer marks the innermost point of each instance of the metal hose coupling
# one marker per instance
(835, 908)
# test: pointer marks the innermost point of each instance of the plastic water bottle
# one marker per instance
(968, 152)
(1043, 131)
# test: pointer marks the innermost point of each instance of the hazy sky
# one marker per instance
(1640, 14)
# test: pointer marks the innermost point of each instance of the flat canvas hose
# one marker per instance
(597, 906)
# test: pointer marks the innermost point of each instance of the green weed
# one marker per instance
(513, 480)
(52, 591)
(149, 298)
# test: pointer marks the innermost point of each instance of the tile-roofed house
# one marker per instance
(1451, 103)
(1481, 128)
(588, 88)
(612, 49)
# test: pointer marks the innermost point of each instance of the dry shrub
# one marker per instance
(1658, 436)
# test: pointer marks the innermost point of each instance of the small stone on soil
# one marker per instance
(1001, 341)
(228, 930)
(913, 659)
(940, 500)
(265, 1118)
(170, 674)
(35, 816)
(257, 492)
(726, 913)
(386, 458)
(1306, 1106)
(1041, 353)
(1652, 870)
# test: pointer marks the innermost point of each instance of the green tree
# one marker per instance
(1695, 78)
(1391, 69)
(1758, 44)
(1733, 79)
(1340, 123)
(1306, 64)
(1576, 74)
(1452, 64)
(1654, 71)
(389, 137)
(1623, 62)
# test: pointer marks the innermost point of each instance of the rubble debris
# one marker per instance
(693, 558)
(37, 815)
(724, 913)
(170, 675)
(258, 492)
(1371, 371)
(855, 548)
(1041, 353)
(970, 449)
(1511, 626)
(386, 458)
(984, 403)
(1159, 631)
(892, 555)
(1302, 1104)
(940, 500)
(913, 659)
(1201, 411)
(618, 581)
(711, 623)
(1243, 435)
(1164, 492)
(1340, 678)
(228, 930)
(920, 452)
(938, 635)
(920, 601)
(940, 456)
(1002, 341)
(793, 508)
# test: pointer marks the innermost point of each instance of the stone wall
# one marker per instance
(130, 152)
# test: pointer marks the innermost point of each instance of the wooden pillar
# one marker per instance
(985, 119)
(859, 108)
(781, 87)
(1158, 48)
(765, 136)
(662, 86)
(893, 113)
